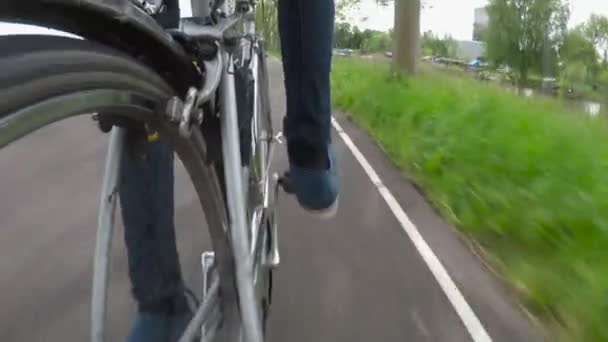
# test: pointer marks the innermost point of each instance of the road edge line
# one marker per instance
(461, 306)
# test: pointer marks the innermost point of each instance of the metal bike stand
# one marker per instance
(105, 229)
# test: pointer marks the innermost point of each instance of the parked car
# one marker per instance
(504, 69)
(343, 52)
(477, 63)
(550, 86)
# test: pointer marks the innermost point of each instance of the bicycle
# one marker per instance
(204, 88)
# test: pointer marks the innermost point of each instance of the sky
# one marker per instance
(453, 17)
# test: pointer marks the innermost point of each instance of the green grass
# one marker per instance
(524, 178)
(586, 92)
(275, 53)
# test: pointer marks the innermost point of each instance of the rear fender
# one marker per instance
(116, 23)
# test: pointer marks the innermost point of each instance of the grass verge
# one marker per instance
(525, 178)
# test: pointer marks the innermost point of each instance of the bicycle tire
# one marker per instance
(42, 73)
(265, 135)
(255, 130)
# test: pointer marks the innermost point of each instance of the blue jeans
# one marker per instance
(146, 191)
(146, 198)
(306, 28)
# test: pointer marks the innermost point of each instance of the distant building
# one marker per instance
(480, 24)
(468, 50)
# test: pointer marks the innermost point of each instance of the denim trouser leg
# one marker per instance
(306, 29)
(146, 196)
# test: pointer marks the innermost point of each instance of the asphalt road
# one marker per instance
(355, 278)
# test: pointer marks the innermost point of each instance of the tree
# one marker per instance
(342, 35)
(576, 48)
(596, 30)
(574, 74)
(406, 30)
(435, 46)
(356, 39)
(376, 41)
(407, 36)
(267, 21)
(343, 7)
(522, 33)
(603, 79)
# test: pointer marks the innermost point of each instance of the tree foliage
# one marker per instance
(435, 46)
(596, 31)
(406, 29)
(347, 36)
(377, 41)
(268, 23)
(574, 73)
(603, 78)
(576, 46)
(578, 49)
(524, 33)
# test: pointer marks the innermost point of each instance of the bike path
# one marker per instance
(358, 277)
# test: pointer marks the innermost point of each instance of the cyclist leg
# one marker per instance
(306, 30)
(146, 196)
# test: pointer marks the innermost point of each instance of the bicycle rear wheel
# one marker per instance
(45, 79)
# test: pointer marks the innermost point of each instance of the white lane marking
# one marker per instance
(463, 309)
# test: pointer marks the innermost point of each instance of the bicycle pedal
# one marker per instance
(284, 182)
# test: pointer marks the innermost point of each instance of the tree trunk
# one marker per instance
(200, 8)
(523, 77)
(407, 35)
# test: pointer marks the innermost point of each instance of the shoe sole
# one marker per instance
(324, 214)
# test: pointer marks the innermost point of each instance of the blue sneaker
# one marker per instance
(316, 188)
(151, 327)
(158, 327)
(179, 323)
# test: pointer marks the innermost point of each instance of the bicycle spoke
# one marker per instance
(104, 233)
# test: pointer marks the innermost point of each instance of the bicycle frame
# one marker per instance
(243, 242)
(236, 204)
